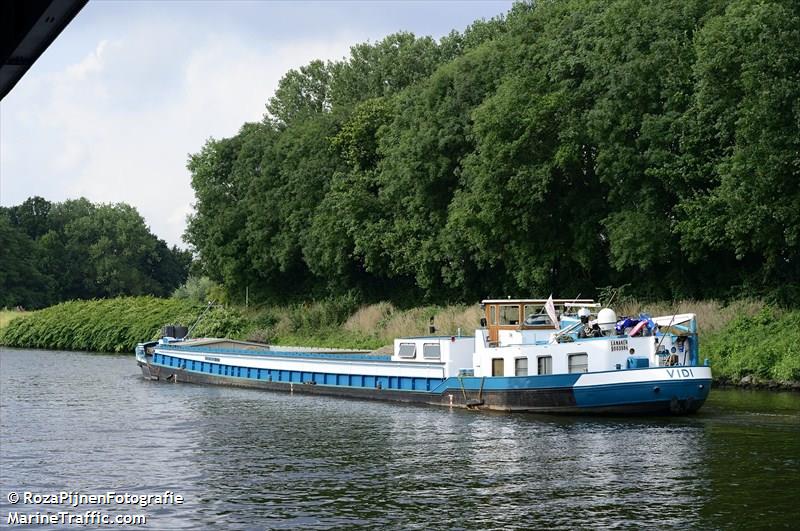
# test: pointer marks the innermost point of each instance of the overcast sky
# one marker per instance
(113, 108)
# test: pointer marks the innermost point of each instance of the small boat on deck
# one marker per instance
(545, 356)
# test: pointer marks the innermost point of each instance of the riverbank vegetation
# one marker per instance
(745, 341)
(758, 348)
(110, 325)
(116, 325)
(6, 316)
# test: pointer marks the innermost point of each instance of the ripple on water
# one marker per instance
(251, 459)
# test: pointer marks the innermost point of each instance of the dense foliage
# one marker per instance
(566, 146)
(764, 347)
(114, 325)
(52, 252)
(109, 325)
(118, 324)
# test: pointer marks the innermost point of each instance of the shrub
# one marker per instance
(367, 319)
(764, 345)
(113, 325)
(198, 289)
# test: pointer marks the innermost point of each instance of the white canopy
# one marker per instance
(672, 320)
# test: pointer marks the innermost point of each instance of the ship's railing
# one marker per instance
(278, 353)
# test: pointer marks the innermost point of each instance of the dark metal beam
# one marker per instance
(27, 28)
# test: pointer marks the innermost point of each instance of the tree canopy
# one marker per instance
(563, 147)
(52, 252)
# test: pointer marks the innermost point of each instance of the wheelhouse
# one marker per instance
(524, 314)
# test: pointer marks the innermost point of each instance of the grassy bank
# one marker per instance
(6, 316)
(110, 325)
(756, 349)
(744, 340)
(116, 325)
(368, 327)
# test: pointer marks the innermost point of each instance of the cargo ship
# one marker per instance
(528, 355)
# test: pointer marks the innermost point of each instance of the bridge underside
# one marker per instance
(27, 28)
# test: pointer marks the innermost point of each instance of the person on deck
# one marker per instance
(586, 330)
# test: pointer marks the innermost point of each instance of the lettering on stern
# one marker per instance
(680, 373)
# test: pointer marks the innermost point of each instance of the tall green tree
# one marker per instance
(32, 216)
(22, 281)
(217, 228)
(743, 141)
(79, 250)
(564, 146)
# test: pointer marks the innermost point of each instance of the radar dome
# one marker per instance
(606, 319)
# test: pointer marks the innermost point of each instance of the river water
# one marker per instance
(254, 459)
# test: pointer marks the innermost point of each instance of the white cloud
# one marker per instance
(112, 109)
(99, 140)
(92, 63)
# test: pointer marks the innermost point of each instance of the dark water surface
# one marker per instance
(255, 459)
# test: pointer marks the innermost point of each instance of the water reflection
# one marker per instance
(246, 458)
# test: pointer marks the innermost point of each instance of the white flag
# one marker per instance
(550, 308)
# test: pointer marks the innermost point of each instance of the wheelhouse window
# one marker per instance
(536, 316)
(521, 367)
(497, 367)
(544, 365)
(509, 314)
(493, 314)
(431, 351)
(407, 350)
(578, 362)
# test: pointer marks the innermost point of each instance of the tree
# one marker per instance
(745, 107)
(22, 282)
(32, 216)
(217, 228)
(301, 93)
(384, 68)
(562, 147)
(79, 250)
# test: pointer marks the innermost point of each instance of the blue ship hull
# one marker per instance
(639, 391)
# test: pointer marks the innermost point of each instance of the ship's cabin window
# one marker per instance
(544, 364)
(493, 314)
(407, 350)
(431, 351)
(536, 316)
(509, 314)
(578, 362)
(497, 367)
(521, 367)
